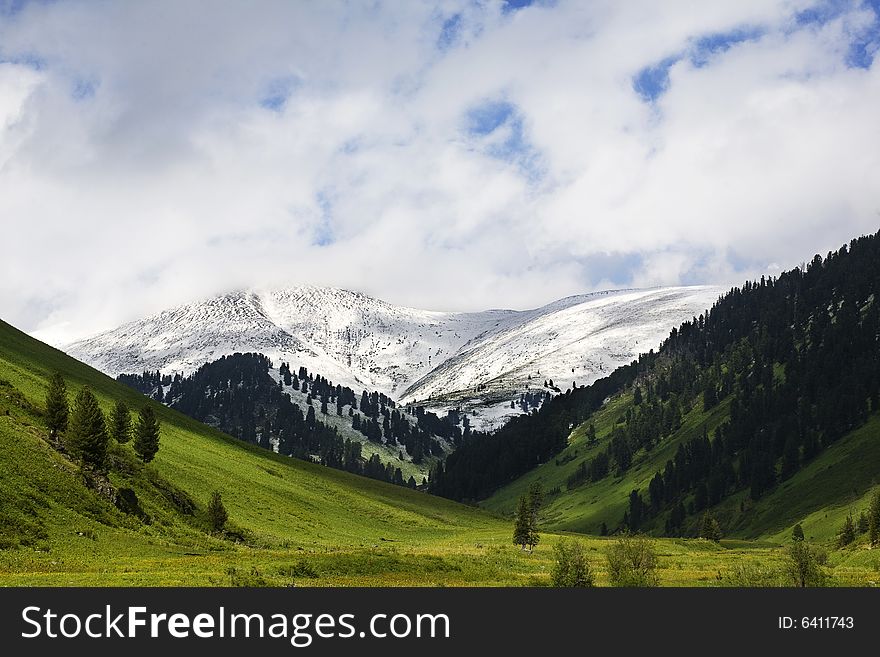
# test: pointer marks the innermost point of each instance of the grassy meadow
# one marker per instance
(298, 523)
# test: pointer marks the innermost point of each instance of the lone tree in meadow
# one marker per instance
(536, 499)
(797, 533)
(57, 409)
(86, 436)
(217, 512)
(525, 524)
(120, 423)
(521, 523)
(146, 434)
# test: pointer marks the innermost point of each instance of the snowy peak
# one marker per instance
(407, 353)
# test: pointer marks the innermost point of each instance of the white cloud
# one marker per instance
(139, 169)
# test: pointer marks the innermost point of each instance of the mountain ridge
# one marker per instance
(407, 353)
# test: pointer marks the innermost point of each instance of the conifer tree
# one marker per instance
(217, 512)
(87, 430)
(57, 410)
(146, 438)
(120, 423)
(591, 434)
(874, 520)
(709, 528)
(522, 523)
(797, 533)
(848, 532)
(536, 499)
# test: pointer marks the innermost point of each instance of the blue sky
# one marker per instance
(450, 155)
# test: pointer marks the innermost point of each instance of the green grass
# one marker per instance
(819, 496)
(292, 522)
(283, 506)
(587, 506)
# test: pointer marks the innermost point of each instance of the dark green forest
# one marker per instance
(796, 358)
(238, 395)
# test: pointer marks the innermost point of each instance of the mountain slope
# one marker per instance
(765, 412)
(56, 530)
(293, 522)
(408, 354)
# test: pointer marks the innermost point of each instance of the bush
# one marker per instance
(251, 579)
(302, 569)
(752, 575)
(802, 565)
(572, 569)
(632, 561)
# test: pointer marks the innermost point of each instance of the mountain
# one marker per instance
(297, 523)
(763, 413)
(289, 520)
(481, 360)
(303, 414)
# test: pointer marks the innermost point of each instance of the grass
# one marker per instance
(585, 507)
(292, 522)
(819, 496)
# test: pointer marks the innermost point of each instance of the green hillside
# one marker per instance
(819, 496)
(285, 512)
(292, 522)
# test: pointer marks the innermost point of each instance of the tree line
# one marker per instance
(239, 395)
(796, 359)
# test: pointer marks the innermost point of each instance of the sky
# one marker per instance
(452, 155)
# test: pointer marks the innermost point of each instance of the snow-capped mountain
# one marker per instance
(409, 354)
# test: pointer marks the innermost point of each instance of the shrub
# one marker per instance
(802, 565)
(752, 575)
(572, 568)
(632, 561)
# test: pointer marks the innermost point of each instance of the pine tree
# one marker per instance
(591, 434)
(536, 499)
(709, 528)
(57, 410)
(87, 430)
(217, 512)
(797, 533)
(146, 435)
(522, 523)
(848, 532)
(120, 423)
(874, 519)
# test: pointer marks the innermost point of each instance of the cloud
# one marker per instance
(456, 155)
